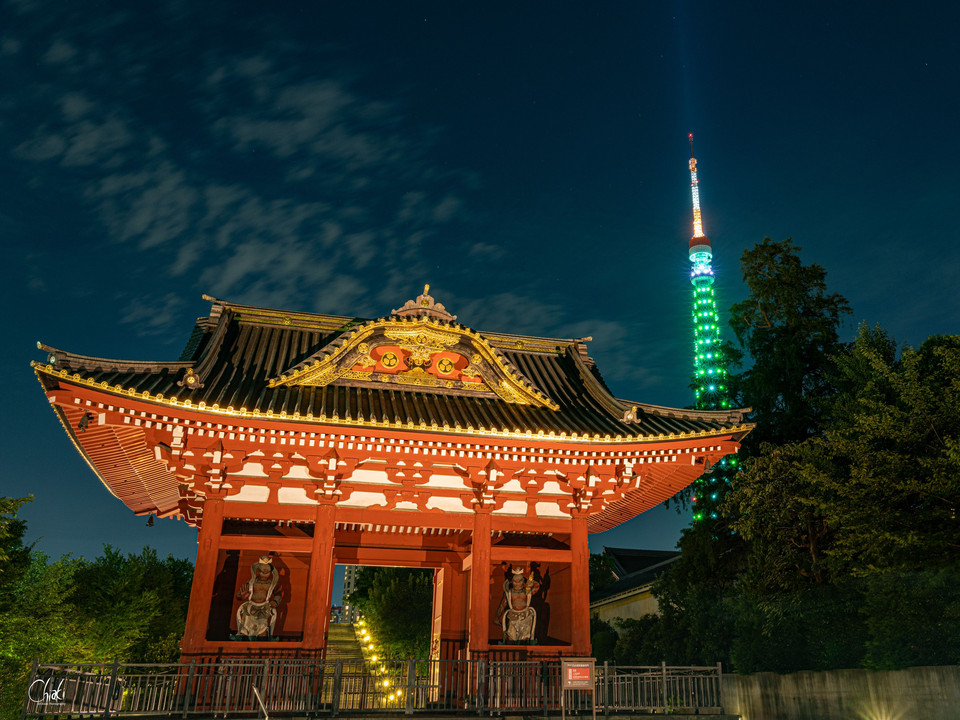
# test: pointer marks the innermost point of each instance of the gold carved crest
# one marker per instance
(417, 352)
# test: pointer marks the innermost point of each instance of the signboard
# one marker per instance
(578, 673)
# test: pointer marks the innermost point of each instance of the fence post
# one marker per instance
(111, 686)
(481, 683)
(606, 689)
(545, 686)
(264, 682)
(189, 689)
(663, 680)
(720, 687)
(33, 676)
(335, 692)
(411, 686)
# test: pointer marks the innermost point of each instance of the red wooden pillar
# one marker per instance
(204, 575)
(480, 584)
(320, 580)
(451, 596)
(579, 587)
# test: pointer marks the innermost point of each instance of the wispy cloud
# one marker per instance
(285, 181)
(257, 179)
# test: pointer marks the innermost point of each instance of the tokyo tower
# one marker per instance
(710, 366)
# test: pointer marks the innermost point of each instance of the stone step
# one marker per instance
(342, 642)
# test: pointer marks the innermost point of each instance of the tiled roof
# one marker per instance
(659, 562)
(630, 560)
(234, 353)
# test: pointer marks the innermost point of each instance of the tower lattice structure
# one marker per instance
(710, 365)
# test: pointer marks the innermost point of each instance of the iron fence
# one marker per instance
(304, 687)
(661, 688)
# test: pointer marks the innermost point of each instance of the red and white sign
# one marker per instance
(578, 674)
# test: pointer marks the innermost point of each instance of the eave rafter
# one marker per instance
(197, 454)
(420, 353)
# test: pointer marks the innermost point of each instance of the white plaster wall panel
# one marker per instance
(550, 509)
(294, 496)
(364, 499)
(251, 469)
(365, 476)
(551, 487)
(449, 482)
(447, 504)
(512, 507)
(251, 493)
(299, 472)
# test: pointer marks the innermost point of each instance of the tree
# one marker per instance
(789, 324)
(601, 572)
(36, 614)
(130, 608)
(891, 444)
(788, 327)
(396, 603)
(603, 638)
(135, 606)
(14, 557)
(878, 488)
(843, 547)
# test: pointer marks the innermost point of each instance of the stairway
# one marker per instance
(342, 642)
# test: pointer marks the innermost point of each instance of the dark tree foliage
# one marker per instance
(14, 557)
(135, 606)
(603, 639)
(36, 617)
(601, 572)
(396, 604)
(639, 641)
(131, 608)
(789, 326)
(837, 544)
(788, 311)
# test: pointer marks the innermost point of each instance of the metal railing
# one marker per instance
(305, 687)
(660, 688)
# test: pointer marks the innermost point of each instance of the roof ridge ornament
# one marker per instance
(424, 306)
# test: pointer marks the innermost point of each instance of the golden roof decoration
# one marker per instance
(424, 306)
(417, 351)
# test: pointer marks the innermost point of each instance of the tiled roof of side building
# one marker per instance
(301, 366)
(660, 562)
(631, 560)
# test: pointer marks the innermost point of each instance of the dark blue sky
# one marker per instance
(528, 160)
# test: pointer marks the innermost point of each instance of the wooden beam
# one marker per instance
(266, 542)
(396, 557)
(528, 554)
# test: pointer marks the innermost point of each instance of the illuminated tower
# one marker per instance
(710, 367)
(710, 370)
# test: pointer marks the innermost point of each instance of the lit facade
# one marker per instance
(297, 441)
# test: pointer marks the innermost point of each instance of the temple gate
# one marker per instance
(296, 441)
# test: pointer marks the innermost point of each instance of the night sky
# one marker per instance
(527, 159)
